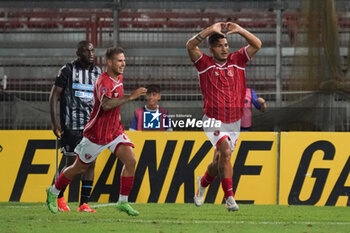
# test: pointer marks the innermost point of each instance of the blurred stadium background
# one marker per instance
(302, 70)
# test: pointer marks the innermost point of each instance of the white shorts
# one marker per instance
(226, 130)
(88, 151)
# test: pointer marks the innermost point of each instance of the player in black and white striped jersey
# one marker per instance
(73, 89)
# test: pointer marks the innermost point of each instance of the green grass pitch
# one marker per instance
(162, 218)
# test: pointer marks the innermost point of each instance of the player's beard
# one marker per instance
(221, 59)
(117, 71)
(91, 60)
(86, 62)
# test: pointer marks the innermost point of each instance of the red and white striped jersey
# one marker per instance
(223, 86)
(104, 126)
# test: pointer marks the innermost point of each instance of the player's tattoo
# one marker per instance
(199, 37)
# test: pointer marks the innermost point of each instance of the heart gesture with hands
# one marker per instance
(232, 28)
(229, 27)
(219, 27)
(223, 29)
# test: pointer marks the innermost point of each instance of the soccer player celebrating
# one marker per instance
(104, 130)
(222, 82)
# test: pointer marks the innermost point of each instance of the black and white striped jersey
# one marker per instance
(77, 97)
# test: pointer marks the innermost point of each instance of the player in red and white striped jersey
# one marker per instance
(104, 130)
(222, 82)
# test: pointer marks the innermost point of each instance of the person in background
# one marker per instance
(258, 102)
(151, 107)
(73, 91)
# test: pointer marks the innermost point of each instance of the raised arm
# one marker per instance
(254, 43)
(192, 44)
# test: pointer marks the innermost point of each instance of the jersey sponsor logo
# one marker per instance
(83, 94)
(87, 87)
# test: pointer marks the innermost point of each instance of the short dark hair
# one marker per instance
(215, 38)
(153, 88)
(110, 52)
(83, 43)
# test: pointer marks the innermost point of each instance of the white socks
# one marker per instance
(201, 189)
(54, 190)
(123, 198)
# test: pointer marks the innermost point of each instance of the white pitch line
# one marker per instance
(103, 205)
(17, 207)
(228, 222)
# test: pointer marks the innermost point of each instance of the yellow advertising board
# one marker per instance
(167, 167)
(255, 168)
(314, 169)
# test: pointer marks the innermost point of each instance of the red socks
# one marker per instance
(62, 182)
(207, 179)
(226, 184)
(126, 184)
